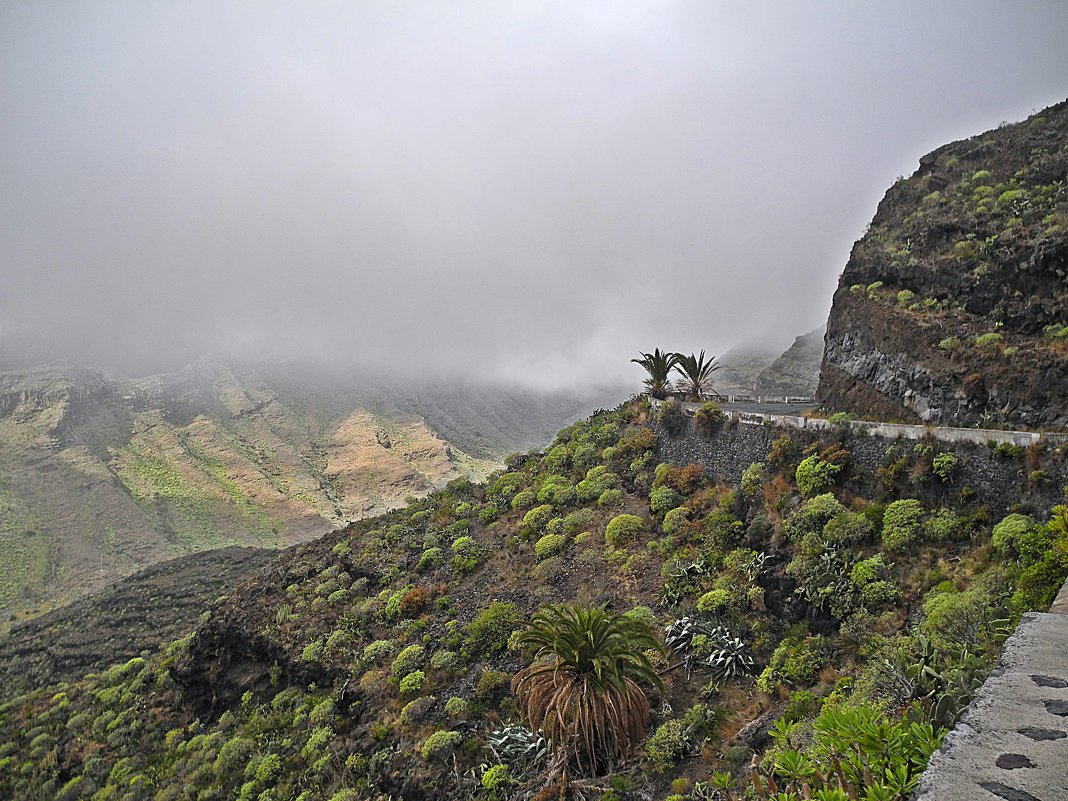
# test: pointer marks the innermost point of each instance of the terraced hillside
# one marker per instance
(99, 477)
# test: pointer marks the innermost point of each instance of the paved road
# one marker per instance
(768, 408)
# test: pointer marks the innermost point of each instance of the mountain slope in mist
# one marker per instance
(99, 477)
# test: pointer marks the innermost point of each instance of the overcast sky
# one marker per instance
(532, 189)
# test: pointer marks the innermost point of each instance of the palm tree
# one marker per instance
(582, 690)
(696, 375)
(658, 364)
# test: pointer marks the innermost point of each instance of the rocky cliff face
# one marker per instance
(951, 308)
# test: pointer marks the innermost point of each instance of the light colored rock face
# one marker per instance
(1012, 742)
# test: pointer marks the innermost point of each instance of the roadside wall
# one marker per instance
(1031, 482)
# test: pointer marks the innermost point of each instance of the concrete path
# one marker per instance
(1012, 742)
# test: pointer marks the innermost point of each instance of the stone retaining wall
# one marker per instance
(1030, 482)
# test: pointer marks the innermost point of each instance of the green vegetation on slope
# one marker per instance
(379, 661)
(101, 477)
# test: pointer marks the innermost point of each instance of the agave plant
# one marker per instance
(583, 688)
(517, 745)
(679, 635)
(729, 659)
(696, 374)
(658, 365)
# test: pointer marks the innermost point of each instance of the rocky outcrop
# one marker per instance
(797, 370)
(951, 307)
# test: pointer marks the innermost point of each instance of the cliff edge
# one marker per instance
(951, 309)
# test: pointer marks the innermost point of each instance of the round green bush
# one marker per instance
(430, 558)
(439, 743)
(674, 519)
(902, 522)
(445, 660)
(549, 545)
(814, 475)
(713, 601)
(456, 707)
(496, 776)
(622, 529)
(610, 498)
(943, 465)
(663, 499)
(709, 417)
(412, 683)
(407, 660)
(524, 499)
(537, 518)
(1010, 532)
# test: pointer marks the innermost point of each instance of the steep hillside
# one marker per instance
(136, 615)
(951, 308)
(797, 370)
(801, 622)
(740, 369)
(99, 476)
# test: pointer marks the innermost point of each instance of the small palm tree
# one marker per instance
(696, 375)
(658, 365)
(582, 690)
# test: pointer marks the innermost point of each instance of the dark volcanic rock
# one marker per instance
(973, 245)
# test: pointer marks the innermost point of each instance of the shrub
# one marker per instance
(412, 683)
(667, 744)
(813, 515)
(753, 478)
(457, 707)
(622, 529)
(445, 660)
(577, 521)
(536, 519)
(878, 593)
(439, 744)
(674, 519)
(496, 776)
(943, 465)
(797, 660)
(663, 499)
(801, 705)
(610, 499)
(407, 660)
(508, 484)
(488, 633)
(944, 525)
(988, 341)
(489, 683)
(954, 620)
(713, 602)
(524, 499)
(815, 475)
(901, 524)
(549, 545)
(430, 558)
(466, 552)
(868, 570)
(709, 417)
(952, 344)
(1008, 450)
(905, 297)
(1014, 534)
